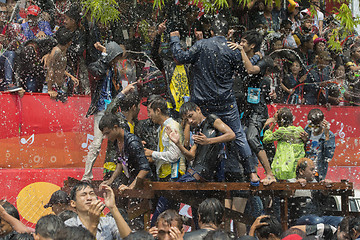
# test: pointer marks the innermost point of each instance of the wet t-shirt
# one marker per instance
(206, 156)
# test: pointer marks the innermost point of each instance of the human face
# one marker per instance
(340, 72)
(110, 133)
(193, 117)
(356, 54)
(309, 172)
(3, 14)
(320, 46)
(70, 23)
(164, 229)
(295, 68)
(308, 23)
(246, 46)
(153, 115)
(58, 208)
(5, 228)
(84, 198)
(277, 45)
(342, 235)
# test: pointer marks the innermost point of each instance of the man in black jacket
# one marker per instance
(214, 64)
(107, 87)
(131, 160)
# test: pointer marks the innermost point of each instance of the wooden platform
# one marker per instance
(194, 193)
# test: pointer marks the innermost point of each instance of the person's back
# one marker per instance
(290, 146)
(213, 65)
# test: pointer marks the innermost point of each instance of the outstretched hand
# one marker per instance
(129, 88)
(174, 135)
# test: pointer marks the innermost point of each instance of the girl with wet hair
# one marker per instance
(290, 146)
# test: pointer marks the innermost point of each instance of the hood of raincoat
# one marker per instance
(113, 50)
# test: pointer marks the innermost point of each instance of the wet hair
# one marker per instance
(63, 36)
(315, 116)
(354, 225)
(171, 215)
(274, 227)
(109, 120)
(139, 235)
(220, 26)
(285, 22)
(344, 224)
(211, 211)
(78, 187)
(285, 117)
(129, 101)
(74, 13)
(22, 236)
(253, 37)
(302, 164)
(217, 235)
(187, 107)
(159, 103)
(78, 233)
(10, 209)
(48, 226)
(67, 214)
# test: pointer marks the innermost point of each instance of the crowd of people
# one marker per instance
(207, 81)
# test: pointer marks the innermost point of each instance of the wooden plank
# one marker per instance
(139, 209)
(284, 212)
(135, 193)
(339, 187)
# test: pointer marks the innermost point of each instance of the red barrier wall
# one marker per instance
(42, 142)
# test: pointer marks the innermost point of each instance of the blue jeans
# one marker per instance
(314, 219)
(33, 84)
(7, 62)
(229, 114)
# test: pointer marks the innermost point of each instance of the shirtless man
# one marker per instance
(55, 62)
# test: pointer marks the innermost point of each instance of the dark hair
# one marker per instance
(354, 225)
(302, 165)
(211, 211)
(316, 116)
(139, 235)
(285, 22)
(49, 225)
(109, 120)
(129, 101)
(171, 215)
(63, 36)
(344, 224)
(285, 117)
(274, 227)
(253, 37)
(220, 26)
(74, 13)
(187, 107)
(78, 187)
(217, 235)
(10, 209)
(22, 236)
(78, 233)
(67, 214)
(160, 103)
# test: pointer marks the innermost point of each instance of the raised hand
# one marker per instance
(174, 135)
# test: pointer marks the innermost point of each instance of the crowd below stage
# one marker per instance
(207, 81)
